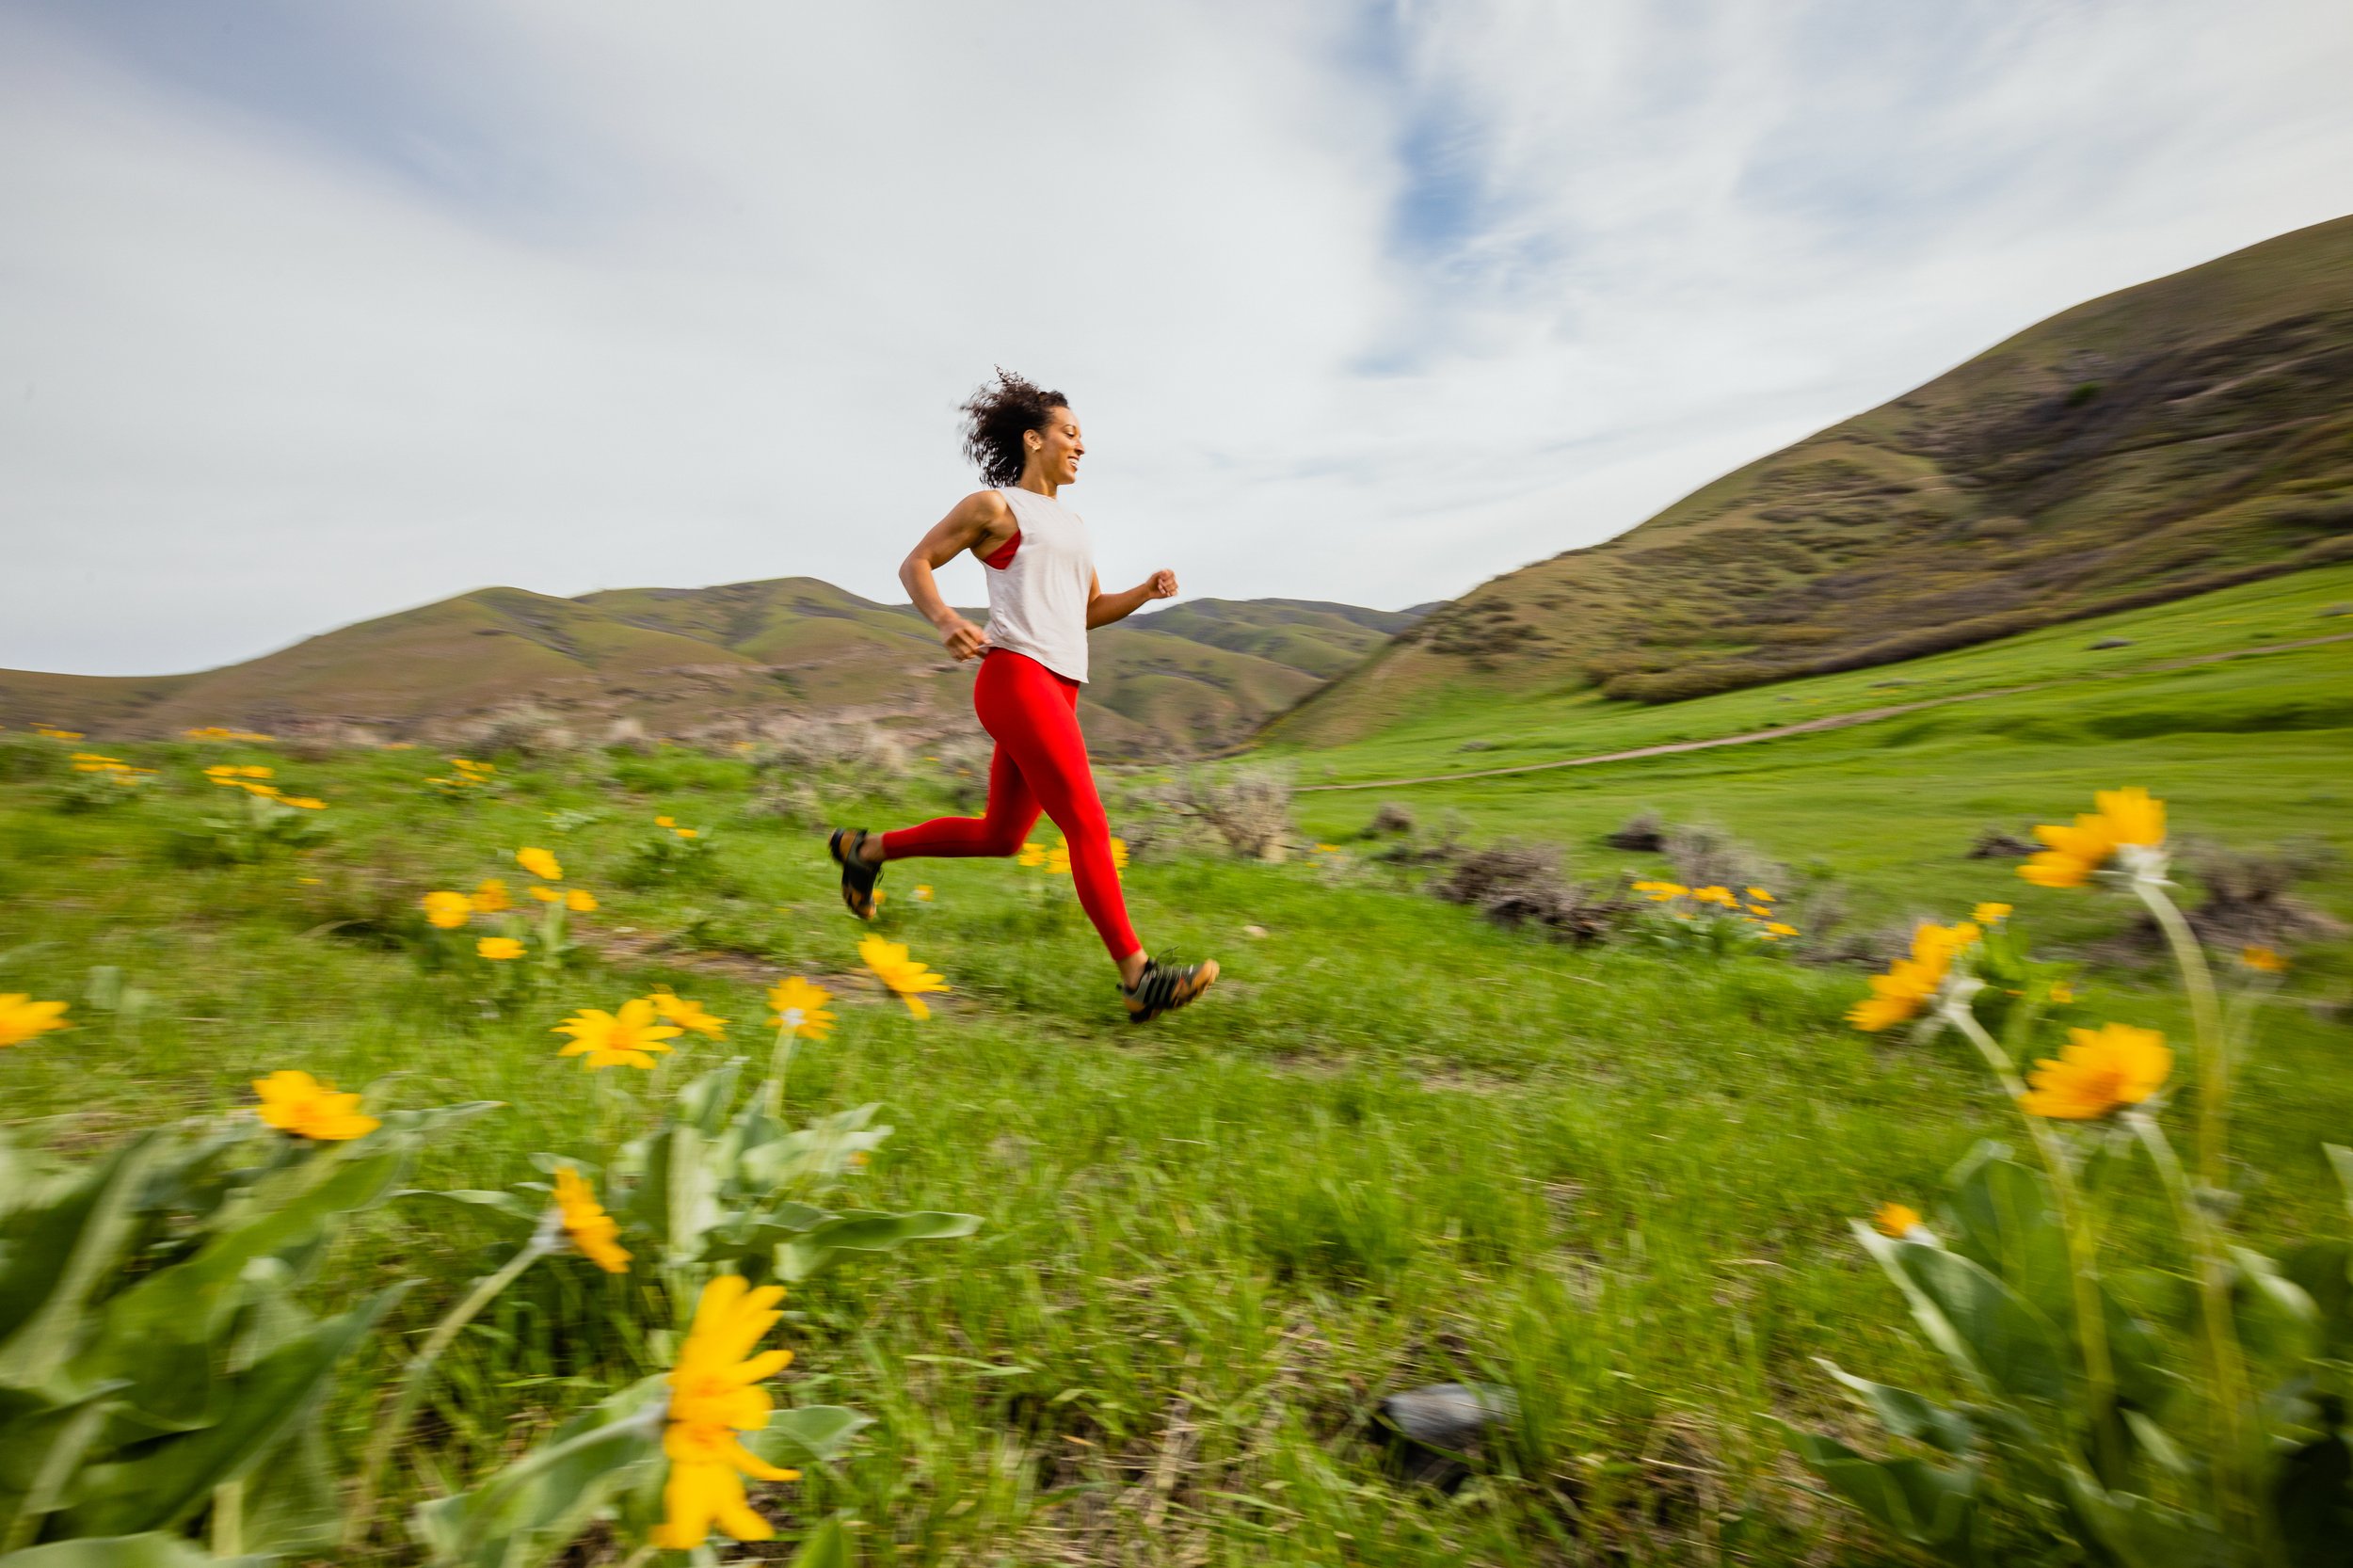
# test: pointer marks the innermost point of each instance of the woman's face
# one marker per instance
(1056, 449)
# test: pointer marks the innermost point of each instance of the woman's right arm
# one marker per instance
(981, 523)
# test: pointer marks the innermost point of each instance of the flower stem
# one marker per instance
(2213, 1057)
(779, 1063)
(414, 1380)
(2226, 1365)
(2091, 1327)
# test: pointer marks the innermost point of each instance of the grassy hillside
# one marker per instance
(2238, 705)
(1397, 1145)
(2164, 440)
(715, 663)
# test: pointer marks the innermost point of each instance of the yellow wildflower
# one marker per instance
(922, 892)
(1990, 914)
(2062, 993)
(22, 1017)
(580, 901)
(1896, 1220)
(490, 897)
(545, 894)
(499, 949)
(539, 863)
(904, 975)
(688, 1015)
(267, 791)
(2099, 1070)
(447, 911)
(1904, 990)
(587, 1225)
(713, 1397)
(665, 822)
(1774, 930)
(257, 773)
(688, 832)
(1119, 854)
(1714, 895)
(1032, 855)
(2262, 960)
(1760, 895)
(55, 734)
(1327, 849)
(306, 802)
(621, 1039)
(801, 1008)
(300, 1104)
(2071, 854)
(1058, 858)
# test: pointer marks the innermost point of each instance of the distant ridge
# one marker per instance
(2172, 437)
(714, 663)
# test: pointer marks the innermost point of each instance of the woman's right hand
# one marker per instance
(963, 639)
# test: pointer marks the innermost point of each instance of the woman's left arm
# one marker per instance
(1103, 609)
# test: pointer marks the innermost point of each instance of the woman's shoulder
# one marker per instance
(987, 507)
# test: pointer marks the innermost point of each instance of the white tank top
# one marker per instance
(1037, 603)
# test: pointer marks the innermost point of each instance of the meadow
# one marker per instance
(1397, 1145)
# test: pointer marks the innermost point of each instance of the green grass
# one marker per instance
(1396, 1145)
(1508, 729)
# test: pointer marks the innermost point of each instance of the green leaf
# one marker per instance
(2143, 1533)
(702, 1102)
(829, 1545)
(127, 1551)
(2324, 1272)
(818, 1432)
(42, 1446)
(508, 1204)
(1993, 1334)
(58, 1257)
(293, 1501)
(1928, 1506)
(2004, 1219)
(1907, 1414)
(805, 1255)
(157, 1337)
(158, 1484)
(534, 1509)
(2342, 1158)
(2275, 1317)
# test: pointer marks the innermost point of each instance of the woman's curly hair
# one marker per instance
(996, 418)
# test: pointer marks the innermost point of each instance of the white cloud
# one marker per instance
(1358, 305)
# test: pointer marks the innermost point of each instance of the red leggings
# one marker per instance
(1041, 761)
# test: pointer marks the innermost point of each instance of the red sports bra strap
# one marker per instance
(1002, 556)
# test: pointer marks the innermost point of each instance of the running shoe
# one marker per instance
(1165, 987)
(848, 845)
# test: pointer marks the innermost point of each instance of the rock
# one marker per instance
(1435, 1428)
(1254, 931)
(1391, 818)
(2111, 642)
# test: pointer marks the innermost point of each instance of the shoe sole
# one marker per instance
(834, 846)
(1205, 978)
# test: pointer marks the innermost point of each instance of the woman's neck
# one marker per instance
(1038, 484)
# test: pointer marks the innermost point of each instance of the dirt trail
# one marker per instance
(1828, 721)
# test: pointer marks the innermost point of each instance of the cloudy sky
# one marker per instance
(309, 312)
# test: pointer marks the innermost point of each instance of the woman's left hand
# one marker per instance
(1163, 585)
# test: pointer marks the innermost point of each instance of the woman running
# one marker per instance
(1043, 600)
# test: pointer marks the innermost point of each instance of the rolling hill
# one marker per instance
(2177, 436)
(717, 662)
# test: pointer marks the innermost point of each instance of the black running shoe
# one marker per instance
(1165, 987)
(848, 845)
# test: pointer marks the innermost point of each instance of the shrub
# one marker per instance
(1249, 807)
(1517, 884)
